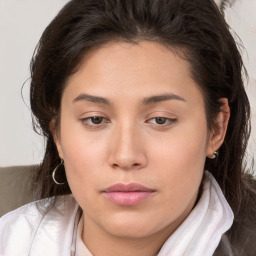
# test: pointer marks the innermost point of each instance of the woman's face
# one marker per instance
(134, 138)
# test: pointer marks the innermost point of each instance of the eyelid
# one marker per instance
(89, 115)
(163, 114)
(93, 126)
(171, 119)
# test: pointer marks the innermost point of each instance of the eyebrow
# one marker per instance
(146, 101)
(91, 98)
(162, 97)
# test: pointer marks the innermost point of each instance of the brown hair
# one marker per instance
(197, 28)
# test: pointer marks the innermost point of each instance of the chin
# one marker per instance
(132, 226)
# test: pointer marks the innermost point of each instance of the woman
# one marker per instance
(143, 104)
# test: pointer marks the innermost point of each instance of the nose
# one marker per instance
(128, 151)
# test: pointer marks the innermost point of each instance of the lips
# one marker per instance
(127, 194)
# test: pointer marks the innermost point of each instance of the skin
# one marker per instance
(129, 145)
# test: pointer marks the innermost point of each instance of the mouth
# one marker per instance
(127, 194)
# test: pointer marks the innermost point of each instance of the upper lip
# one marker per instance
(130, 187)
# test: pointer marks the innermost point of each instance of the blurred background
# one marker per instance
(21, 25)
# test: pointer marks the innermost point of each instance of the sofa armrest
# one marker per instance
(15, 187)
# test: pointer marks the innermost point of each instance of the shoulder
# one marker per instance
(243, 232)
(242, 235)
(37, 210)
(24, 225)
(22, 217)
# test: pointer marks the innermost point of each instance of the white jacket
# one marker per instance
(28, 232)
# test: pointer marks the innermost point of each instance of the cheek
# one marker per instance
(82, 165)
(180, 158)
(185, 145)
(83, 156)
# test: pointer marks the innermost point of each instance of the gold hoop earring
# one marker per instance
(54, 172)
(214, 155)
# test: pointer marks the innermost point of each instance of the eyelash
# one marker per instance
(85, 121)
(92, 125)
(170, 121)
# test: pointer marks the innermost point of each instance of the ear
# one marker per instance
(56, 136)
(218, 132)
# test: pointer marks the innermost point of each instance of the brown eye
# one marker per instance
(161, 120)
(96, 119)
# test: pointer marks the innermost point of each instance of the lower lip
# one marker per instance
(128, 198)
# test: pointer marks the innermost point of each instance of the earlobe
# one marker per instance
(56, 138)
(218, 133)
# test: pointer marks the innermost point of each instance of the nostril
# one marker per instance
(126, 165)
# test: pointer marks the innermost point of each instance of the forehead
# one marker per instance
(134, 57)
(135, 70)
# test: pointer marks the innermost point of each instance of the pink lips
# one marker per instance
(127, 194)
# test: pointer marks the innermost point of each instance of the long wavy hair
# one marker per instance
(196, 28)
